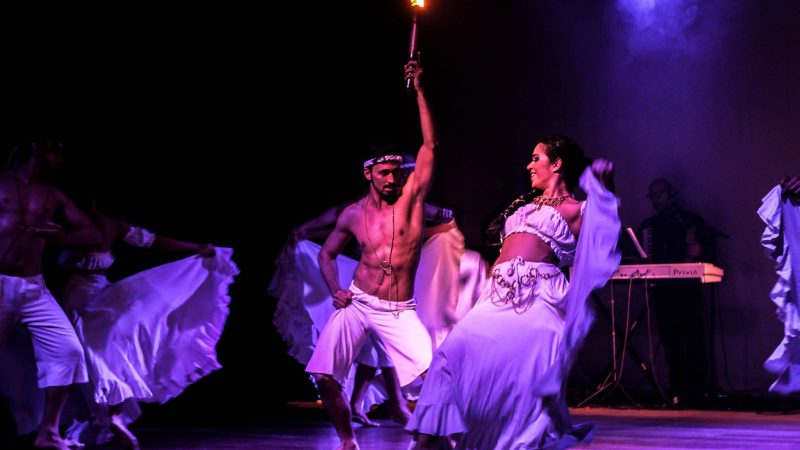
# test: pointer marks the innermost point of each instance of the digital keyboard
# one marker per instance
(706, 272)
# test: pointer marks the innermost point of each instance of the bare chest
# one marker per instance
(386, 233)
(24, 205)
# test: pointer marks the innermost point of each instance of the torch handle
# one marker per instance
(412, 46)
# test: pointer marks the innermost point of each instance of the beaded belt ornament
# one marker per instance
(512, 287)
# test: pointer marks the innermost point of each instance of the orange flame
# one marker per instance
(418, 3)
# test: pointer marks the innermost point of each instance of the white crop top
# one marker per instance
(549, 225)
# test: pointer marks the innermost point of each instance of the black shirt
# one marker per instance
(665, 236)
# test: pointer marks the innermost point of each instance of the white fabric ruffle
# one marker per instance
(781, 240)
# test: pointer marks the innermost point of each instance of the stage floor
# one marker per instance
(615, 429)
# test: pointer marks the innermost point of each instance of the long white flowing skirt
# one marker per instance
(151, 335)
(497, 381)
(147, 337)
(781, 240)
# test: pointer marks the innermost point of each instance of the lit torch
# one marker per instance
(412, 46)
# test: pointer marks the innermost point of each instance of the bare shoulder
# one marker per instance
(571, 210)
(351, 212)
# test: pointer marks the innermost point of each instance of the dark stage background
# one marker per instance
(232, 125)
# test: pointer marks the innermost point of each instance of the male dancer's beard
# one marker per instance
(391, 197)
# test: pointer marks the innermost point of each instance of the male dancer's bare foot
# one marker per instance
(401, 414)
(49, 440)
(348, 446)
(127, 439)
(360, 417)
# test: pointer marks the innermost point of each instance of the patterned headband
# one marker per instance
(383, 159)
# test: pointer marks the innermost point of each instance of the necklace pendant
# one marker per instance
(386, 267)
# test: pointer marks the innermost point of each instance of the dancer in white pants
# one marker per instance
(28, 221)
